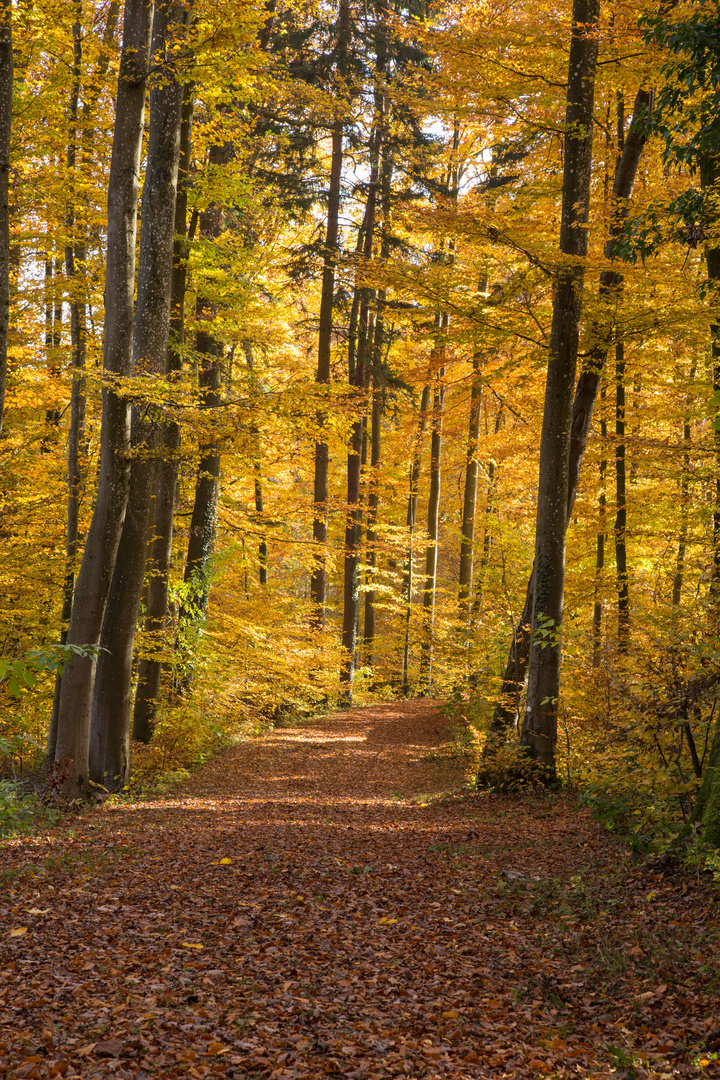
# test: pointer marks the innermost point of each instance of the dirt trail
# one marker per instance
(307, 906)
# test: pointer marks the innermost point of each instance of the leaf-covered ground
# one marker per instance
(307, 906)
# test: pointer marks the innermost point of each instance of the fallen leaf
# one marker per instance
(18, 931)
(109, 1048)
(192, 945)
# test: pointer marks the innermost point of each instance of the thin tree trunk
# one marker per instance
(318, 579)
(386, 171)
(77, 396)
(203, 523)
(414, 488)
(373, 496)
(257, 469)
(623, 588)
(96, 568)
(539, 732)
(6, 92)
(433, 527)
(150, 667)
(600, 542)
(487, 536)
(467, 538)
(112, 702)
(505, 715)
(351, 606)
(684, 504)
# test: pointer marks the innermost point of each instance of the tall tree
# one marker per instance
(80, 146)
(411, 518)
(110, 735)
(6, 92)
(98, 561)
(539, 733)
(318, 580)
(433, 518)
(505, 714)
(203, 521)
(467, 537)
(150, 667)
(623, 585)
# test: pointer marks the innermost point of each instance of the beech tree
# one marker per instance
(98, 561)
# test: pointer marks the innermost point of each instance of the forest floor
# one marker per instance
(330, 900)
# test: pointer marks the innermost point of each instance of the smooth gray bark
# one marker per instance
(150, 667)
(539, 731)
(96, 568)
(110, 734)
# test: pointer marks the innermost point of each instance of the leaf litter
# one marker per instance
(330, 900)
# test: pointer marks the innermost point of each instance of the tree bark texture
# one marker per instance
(413, 492)
(623, 586)
(679, 574)
(203, 522)
(150, 667)
(600, 539)
(467, 537)
(505, 713)
(96, 568)
(6, 91)
(433, 528)
(351, 604)
(257, 467)
(112, 702)
(539, 732)
(318, 578)
(373, 497)
(386, 171)
(75, 261)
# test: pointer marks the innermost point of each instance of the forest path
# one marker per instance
(308, 905)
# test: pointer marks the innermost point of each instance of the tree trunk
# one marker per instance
(112, 702)
(505, 715)
(351, 606)
(539, 732)
(408, 583)
(487, 538)
(600, 540)
(201, 540)
(150, 667)
(257, 470)
(318, 579)
(76, 433)
(467, 538)
(707, 803)
(6, 92)
(373, 495)
(433, 528)
(386, 171)
(709, 175)
(684, 503)
(93, 583)
(623, 588)
(75, 260)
